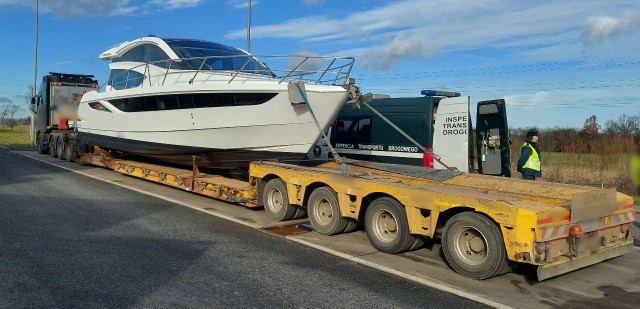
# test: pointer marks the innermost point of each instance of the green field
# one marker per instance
(18, 138)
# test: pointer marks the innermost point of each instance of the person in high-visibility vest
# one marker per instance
(635, 169)
(529, 162)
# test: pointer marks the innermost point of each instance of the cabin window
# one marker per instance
(124, 79)
(187, 101)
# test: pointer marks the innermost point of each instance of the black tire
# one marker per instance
(352, 225)
(276, 200)
(324, 212)
(42, 145)
(53, 147)
(70, 151)
(60, 148)
(473, 246)
(387, 227)
(417, 243)
(300, 213)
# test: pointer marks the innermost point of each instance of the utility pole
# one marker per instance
(35, 58)
(249, 29)
(35, 78)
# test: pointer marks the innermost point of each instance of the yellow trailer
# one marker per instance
(486, 224)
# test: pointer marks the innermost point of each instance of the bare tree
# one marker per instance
(13, 109)
(591, 126)
(4, 112)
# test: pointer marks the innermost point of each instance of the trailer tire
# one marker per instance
(276, 200)
(42, 147)
(352, 225)
(473, 246)
(60, 148)
(300, 213)
(387, 226)
(324, 212)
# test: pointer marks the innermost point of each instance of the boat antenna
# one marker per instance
(249, 28)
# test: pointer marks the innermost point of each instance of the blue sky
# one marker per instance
(555, 62)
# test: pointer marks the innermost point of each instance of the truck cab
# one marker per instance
(56, 104)
(439, 121)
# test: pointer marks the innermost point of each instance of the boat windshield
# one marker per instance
(216, 57)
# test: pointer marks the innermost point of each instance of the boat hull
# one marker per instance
(222, 137)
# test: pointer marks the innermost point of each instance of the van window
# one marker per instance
(353, 131)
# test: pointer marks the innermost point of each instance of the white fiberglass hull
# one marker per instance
(226, 136)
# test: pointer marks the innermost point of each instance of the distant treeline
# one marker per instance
(620, 136)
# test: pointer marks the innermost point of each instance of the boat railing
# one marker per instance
(311, 69)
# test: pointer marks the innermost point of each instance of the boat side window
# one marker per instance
(187, 101)
(150, 104)
(253, 98)
(124, 79)
(167, 102)
(155, 55)
(136, 54)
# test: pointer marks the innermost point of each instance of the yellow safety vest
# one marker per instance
(533, 162)
(635, 170)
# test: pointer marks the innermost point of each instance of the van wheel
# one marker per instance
(324, 212)
(473, 246)
(276, 200)
(60, 148)
(387, 227)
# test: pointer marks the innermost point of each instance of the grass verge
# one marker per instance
(16, 138)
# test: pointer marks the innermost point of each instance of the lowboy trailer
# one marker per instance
(486, 224)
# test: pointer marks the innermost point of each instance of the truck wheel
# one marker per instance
(60, 148)
(387, 227)
(473, 246)
(276, 200)
(324, 212)
(52, 147)
(70, 152)
(42, 146)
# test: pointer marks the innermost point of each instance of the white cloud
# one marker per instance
(83, 8)
(383, 57)
(451, 25)
(241, 4)
(601, 28)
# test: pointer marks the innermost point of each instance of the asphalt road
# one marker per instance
(71, 241)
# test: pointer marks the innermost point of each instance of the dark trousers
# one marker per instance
(528, 177)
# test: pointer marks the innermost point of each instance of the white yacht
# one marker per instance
(170, 99)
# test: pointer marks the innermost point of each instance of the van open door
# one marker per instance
(451, 133)
(492, 136)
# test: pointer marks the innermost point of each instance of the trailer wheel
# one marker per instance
(60, 148)
(324, 212)
(387, 227)
(42, 147)
(300, 213)
(276, 200)
(70, 152)
(473, 246)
